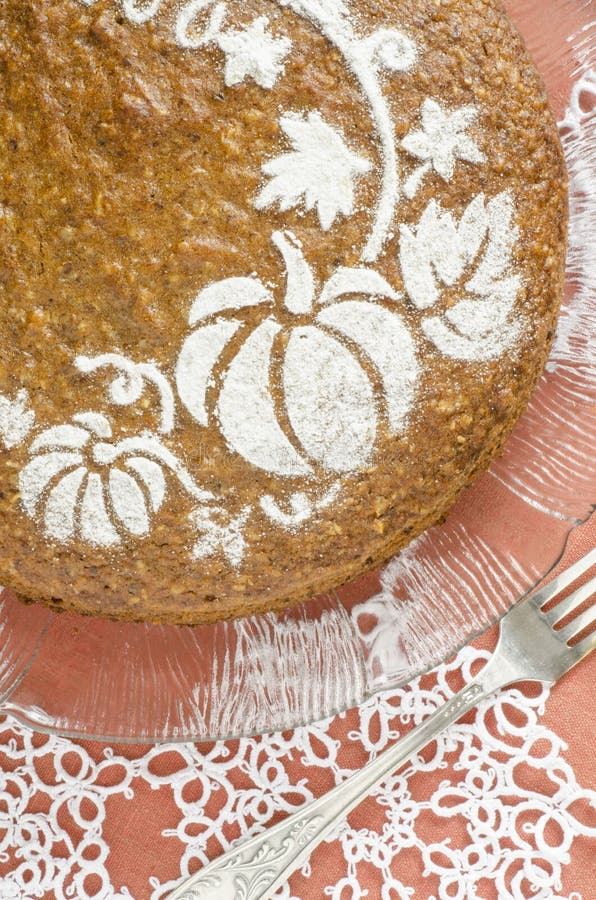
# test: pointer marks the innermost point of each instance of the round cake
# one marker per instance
(278, 278)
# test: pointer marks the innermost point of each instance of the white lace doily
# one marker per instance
(514, 838)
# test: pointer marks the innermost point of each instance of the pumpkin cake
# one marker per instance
(278, 278)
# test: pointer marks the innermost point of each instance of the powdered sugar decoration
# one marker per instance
(253, 52)
(218, 532)
(440, 143)
(329, 400)
(368, 58)
(304, 393)
(131, 381)
(89, 487)
(320, 168)
(140, 11)
(82, 484)
(440, 252)
(299, 507)
(16, 419)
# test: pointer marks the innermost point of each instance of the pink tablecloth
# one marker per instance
(499, 807)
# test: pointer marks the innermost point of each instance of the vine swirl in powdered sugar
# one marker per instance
(128, 386)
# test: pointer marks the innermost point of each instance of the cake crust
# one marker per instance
(357, 389)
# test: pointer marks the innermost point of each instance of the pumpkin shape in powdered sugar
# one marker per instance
(84, 485)
(329, 398)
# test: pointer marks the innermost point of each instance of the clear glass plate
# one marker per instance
(79, 676)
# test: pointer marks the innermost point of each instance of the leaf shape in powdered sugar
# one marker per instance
(447, 254)
(472, 228)
(16, 421)
(503, 233)
(441, 251)
(440, 247)
(440, 143)
(219, 532)
(478, 348)
(416, 270)
(253, 52)
(319, 171)
(470, 316)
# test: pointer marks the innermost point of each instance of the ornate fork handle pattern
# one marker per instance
(531, 645)
(260, 865)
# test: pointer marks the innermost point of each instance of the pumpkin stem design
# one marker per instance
(300, 283)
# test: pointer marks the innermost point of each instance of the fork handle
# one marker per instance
(255, 869)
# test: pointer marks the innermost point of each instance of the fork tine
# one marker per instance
(564, 579)
(585, 646)
(573, 601)
(577, 625)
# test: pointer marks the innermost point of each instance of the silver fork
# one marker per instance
(530, 648)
